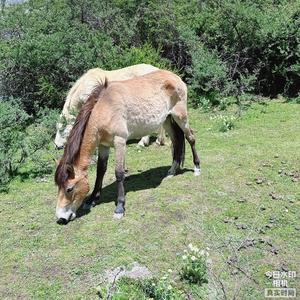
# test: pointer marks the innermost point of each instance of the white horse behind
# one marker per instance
(83, 88)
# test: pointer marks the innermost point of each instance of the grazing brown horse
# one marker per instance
(113, 114)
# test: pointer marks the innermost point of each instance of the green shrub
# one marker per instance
(194, 265)
(163, 288)
(221, 48)
(13, 121)
(22, 143)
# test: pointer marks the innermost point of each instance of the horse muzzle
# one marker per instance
(64, 215)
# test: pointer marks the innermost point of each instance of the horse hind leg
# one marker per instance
(177, 138)
(180, 117)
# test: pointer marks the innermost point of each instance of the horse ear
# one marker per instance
(71, 171)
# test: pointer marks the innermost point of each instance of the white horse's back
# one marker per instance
(83, 88)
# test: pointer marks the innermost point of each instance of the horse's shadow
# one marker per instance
(144, 180)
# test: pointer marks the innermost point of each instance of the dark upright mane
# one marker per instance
(65, 169)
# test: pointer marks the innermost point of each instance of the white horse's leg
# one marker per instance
(161, 137)
(145, 140)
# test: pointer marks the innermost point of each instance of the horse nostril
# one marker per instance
(62, 221)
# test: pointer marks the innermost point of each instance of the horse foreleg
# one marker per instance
(120, 148)
(103, 154)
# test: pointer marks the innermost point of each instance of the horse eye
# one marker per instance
(69, 189)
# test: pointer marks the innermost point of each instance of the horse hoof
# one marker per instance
(160, 142)
(141, 144)
(118, 216)
(169, 176)
(197, 171)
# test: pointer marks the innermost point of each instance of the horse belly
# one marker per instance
(146, 121)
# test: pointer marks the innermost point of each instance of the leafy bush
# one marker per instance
(221, 48)
(13, 121)
(22, 143)
(194, 265)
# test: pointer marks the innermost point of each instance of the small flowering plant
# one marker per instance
(225, 123)
(163, 288)
(194, 265)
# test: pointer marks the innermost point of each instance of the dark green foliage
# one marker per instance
(23, 145)
(219, 47)
(13, 121)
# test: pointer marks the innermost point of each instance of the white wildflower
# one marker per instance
(191, 247)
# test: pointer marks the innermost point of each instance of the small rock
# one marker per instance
(272, 219)
(268, 241)
(241, 226)
(274, 250)
(234, 272)
(248, 183)
(294, 179)
(275, 196)
(262, 208)
(248, 243)
(259, 181)
(297, 228)
(231, 259)
(266, 165)
(227, 220)
(261, 231)
(279, 171)
(269, 226)
(283, 162)
(276, 156)
(242, 200)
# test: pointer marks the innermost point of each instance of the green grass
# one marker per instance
(42, 260)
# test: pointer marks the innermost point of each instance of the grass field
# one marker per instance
(244, 207)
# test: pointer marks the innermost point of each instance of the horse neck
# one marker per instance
(86, 151)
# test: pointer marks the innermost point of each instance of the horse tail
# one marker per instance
(65, 169)
(178, 141)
